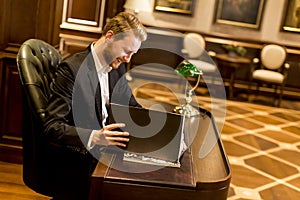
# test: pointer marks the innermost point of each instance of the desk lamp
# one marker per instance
(186, 68)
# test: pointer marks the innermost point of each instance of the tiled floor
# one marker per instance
(262, 144)
(263, 147)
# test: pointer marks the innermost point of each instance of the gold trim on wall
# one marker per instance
(175, 6)
(291, 15)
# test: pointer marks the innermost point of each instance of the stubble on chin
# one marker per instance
(115, 64)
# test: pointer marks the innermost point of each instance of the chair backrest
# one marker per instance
(194, 44)
(37, 62)
(273, 56)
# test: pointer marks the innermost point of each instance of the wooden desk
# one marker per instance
(232, 64)
(204, 176)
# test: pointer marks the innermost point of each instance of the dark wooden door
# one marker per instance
(11, 113)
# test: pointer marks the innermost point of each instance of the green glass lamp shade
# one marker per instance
(186, 68)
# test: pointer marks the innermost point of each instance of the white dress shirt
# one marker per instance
(104, 85)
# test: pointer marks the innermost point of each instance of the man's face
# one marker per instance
(118, 51)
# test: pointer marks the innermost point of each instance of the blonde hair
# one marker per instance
(126, 22)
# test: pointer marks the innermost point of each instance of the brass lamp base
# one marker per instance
(186, 109)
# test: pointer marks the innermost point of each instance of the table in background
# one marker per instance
(232, 64)
(204, 175)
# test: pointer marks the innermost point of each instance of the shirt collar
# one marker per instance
(99, 67)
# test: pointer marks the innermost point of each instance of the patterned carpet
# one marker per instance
(262, 144)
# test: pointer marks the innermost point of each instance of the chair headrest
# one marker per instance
(273, 56)
(194, 44)
(37, 62)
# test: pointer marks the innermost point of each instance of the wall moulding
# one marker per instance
(89, 18)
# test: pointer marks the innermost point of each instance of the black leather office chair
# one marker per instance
(37, 62)
(48, 168)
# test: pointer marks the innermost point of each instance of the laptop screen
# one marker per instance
(154, 134)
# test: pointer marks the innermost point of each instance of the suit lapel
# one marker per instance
(95, 85)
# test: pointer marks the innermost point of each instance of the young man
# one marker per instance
(84, 85)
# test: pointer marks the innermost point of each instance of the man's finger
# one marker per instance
(118, 144)
(121, 139)
(116, 133)
(113, 126)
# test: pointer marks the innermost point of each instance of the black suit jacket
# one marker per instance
(73, 112)
(73, 107)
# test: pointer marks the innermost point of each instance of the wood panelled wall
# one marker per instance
(24, 19)
(20, 20)
(68, 25)
(82, 22)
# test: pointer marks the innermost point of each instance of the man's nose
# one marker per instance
(127, 57)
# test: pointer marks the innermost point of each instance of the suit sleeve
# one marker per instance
(59, 127)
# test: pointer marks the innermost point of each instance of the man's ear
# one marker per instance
(109, 35)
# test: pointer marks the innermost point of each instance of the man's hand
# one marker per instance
(107, 136)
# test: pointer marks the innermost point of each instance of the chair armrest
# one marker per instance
(184, 51)
(286, 65)
(286, 68)
(255, 60)
(212, 53)
(254, 64)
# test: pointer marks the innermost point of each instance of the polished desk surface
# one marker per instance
(203, 174)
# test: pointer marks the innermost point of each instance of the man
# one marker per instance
(84, 86)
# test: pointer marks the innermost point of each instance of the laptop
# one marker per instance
(155, 136)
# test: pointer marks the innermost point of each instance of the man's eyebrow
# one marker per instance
(128, 50)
